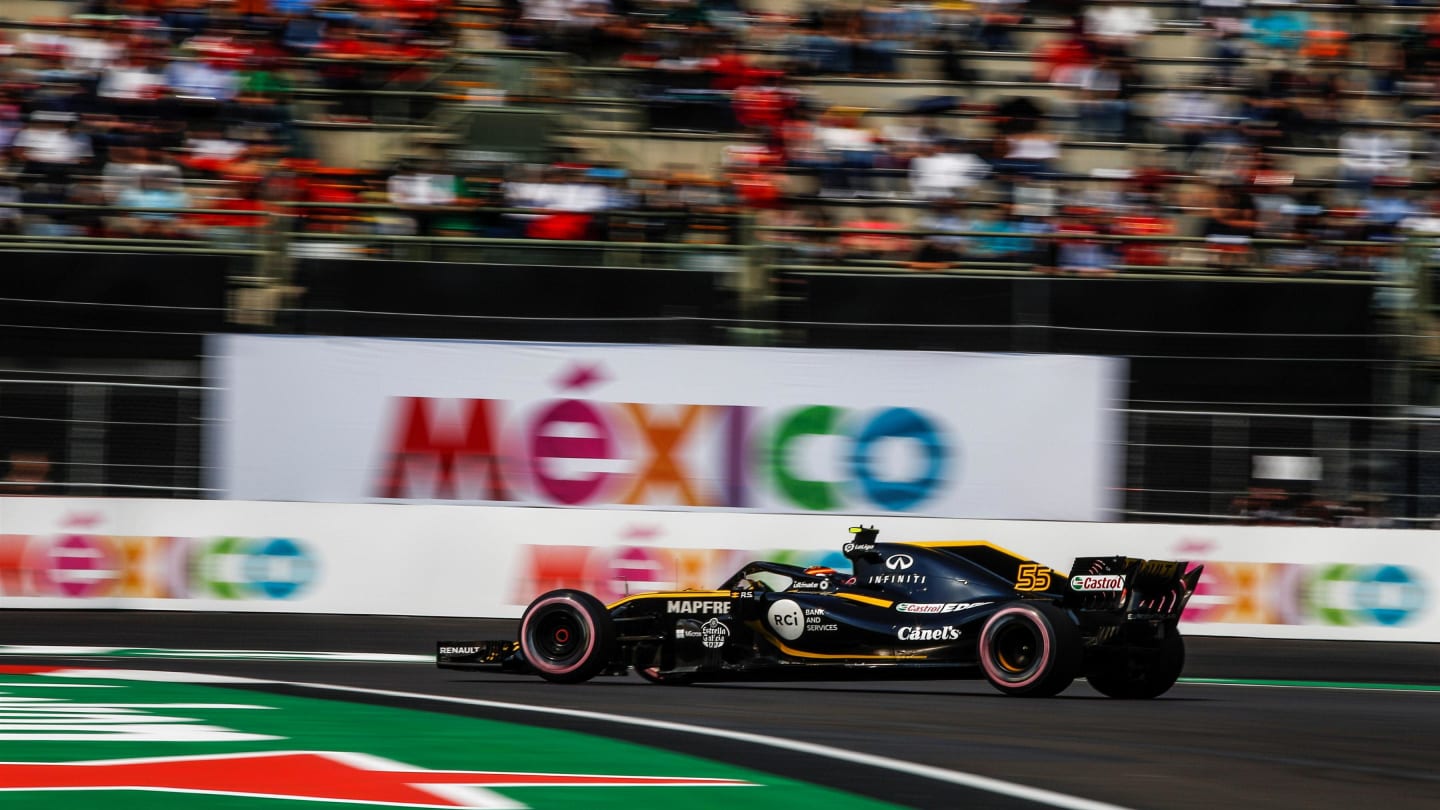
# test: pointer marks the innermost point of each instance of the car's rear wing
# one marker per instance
(1132, 587)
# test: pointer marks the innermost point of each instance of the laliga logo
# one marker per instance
(899, 562)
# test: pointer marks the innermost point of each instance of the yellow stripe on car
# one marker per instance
(791, 651)
(671, 595)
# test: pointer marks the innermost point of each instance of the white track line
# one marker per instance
(970, 780)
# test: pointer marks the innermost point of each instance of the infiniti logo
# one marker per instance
(899, 562)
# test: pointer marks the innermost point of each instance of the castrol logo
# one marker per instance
(1103, 582)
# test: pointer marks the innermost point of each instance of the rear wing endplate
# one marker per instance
(1138, 587)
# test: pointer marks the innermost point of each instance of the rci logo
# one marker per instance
(787, 619)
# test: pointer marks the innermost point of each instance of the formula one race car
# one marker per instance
(933, 609)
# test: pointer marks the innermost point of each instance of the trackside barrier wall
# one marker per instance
(440, 560)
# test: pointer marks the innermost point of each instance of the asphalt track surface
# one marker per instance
(1293, 743)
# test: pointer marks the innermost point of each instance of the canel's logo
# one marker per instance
(928, 634)
(899, 562)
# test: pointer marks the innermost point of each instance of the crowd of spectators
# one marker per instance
(1299, 128)
(179, 105)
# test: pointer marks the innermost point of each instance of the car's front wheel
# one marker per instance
(567, 636)
(1030, 649)
(1142, 674)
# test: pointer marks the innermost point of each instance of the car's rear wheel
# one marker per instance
(567, 636)
(1142, 674)
(1030, 649)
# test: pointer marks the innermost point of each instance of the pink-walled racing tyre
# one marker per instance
(1030, 649)
(567, 636)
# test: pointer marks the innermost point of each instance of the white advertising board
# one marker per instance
(430, 560)
(665, 427)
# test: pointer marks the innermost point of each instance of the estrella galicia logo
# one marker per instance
(713, 634)
(899, 562)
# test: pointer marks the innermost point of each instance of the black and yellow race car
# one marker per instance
(905, 610)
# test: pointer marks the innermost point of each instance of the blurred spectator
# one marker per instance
(28, 472)
(1327, 41)
(801, 246)
(1016, 114)
(763, 103)
(851, 150)
(1065, 59)
(50, 148)
(159, 196)
(204, 87)
(561, 203)
(11, 121)
(132, 84)
(416, 189)
(1299, 219)
(874, 239)
(1028, 155)
(1267, 118)
(209, 80)
(945, 171)
(1007, 238)
(1034, 200)
(997, 18)
(347, 48)
(10, 218)
(1384, 256)
(948, 241)
(1230, 229)
(1366, 154)
(1387, 204)
(1105, 93)
(1116, 26)
(1143, 221)
(209, 150)
(1074, 253)
(756, 187)
(129, 165)
(235, 218)
(1192, 119)
(1278, 30)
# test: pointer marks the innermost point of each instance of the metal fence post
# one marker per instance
(87, 437)
(1135, 483)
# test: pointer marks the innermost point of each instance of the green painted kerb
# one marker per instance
(1376, 687)
(420, 740)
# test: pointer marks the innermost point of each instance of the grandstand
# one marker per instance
(1239, 198)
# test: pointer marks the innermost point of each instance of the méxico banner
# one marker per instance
(486, 561)
(665, 427)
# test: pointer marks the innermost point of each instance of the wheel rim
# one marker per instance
(1016, 648)
(557, 636)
